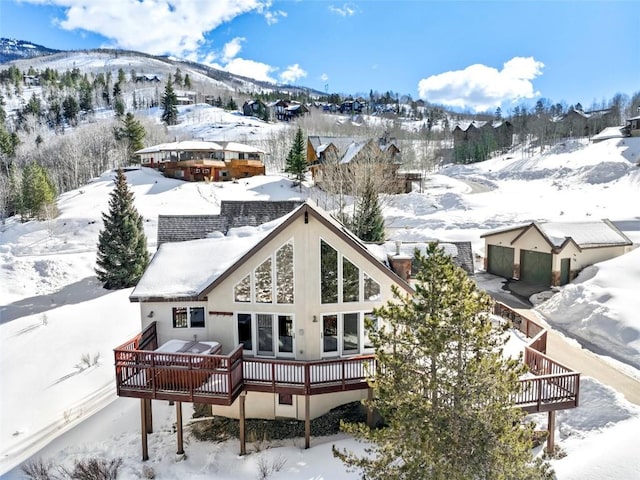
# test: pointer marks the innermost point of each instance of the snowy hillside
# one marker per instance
(589, 309)
(11, 49)
(58, 326)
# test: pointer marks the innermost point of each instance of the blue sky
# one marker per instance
(472, 55)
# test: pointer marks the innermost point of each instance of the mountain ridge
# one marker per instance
(17, 52)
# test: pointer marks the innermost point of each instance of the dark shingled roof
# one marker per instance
(253, 213)
(180, 228)
(233, 213)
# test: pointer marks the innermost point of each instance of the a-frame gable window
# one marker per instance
(371, 289)
(284, 273)
(342, 281)
(270, 282)
(328, 273)
(242, 290)
(350, 281)
(264, 283)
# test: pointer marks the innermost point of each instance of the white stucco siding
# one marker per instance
(532, 240)
(502, 239)
(589, 256)
(163, 316)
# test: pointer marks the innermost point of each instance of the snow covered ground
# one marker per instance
(58, 327)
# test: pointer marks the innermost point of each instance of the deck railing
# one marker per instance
(552, 386)
(219, 379)
(307, 378)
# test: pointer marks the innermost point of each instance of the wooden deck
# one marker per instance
(219, 379)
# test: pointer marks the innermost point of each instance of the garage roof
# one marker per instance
(591, 234)
(584, 234)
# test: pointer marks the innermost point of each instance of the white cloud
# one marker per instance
(345, 11)
(292, 74)
(154, 26)
(482, 88)
(232, 48)
(273, 17)
(249, 68)
(324, 77)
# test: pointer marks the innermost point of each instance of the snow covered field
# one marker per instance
(58, 326)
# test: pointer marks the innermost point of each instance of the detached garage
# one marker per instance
(552, 253)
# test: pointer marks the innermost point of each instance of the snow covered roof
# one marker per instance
(590, 234)
(464, 126)
(352, 150)
(584, 234)
(172, 275)
(187, 145)
(609, 132)
(241, 147)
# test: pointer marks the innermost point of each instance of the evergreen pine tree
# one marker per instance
(443, 387)
(37, 194)
(131, 131)
(122, 244)
(177, 77)
(168, 105)
(231, 104)
(118, 106)
(15, 190)
(187, 82)
(296, 162)
(70, 109)
(368, 222)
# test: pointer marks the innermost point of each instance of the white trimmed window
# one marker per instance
(342, 281)
(271, 282)
(188, 317)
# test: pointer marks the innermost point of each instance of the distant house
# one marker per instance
(577, 123)
(352, 106)
(147, 78)
(254, 108)
(30, 80)
(476, 140)
(197, 161)
(552, 253)
(632, 128)
(185, 97)
(326, 154)
(284, 110)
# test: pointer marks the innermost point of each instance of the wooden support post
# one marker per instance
(143, 429)
(179, 428)
(149, 415)
(551, 426)
(243, 443)
(307, 421)
(369, 407)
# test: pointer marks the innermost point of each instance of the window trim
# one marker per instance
(340, 272)
(187, 312)
(253, 323)
(362, 337)
(274, 279)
